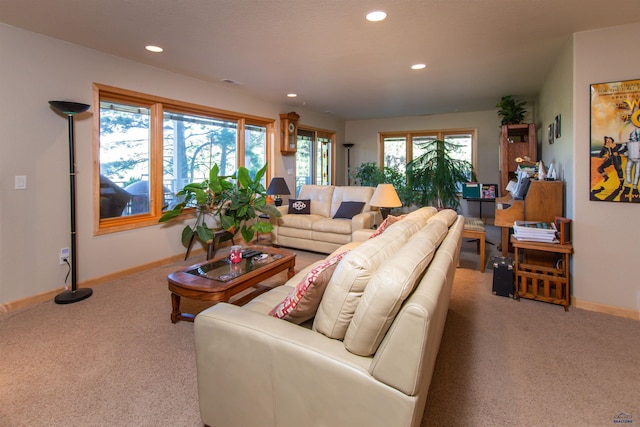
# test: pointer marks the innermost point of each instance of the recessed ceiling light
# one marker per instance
(155, 49)
(292, 95)
(376, 16)
(418, 66)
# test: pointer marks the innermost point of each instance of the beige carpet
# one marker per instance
(115, 359)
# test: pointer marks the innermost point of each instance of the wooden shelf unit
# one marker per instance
(515, 141)
(547, 281)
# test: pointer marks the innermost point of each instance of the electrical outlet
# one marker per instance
(64, 255)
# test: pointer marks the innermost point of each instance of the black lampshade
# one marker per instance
(277, 188)
(68, 107)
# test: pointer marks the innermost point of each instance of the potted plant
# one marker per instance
(229, 204)
(370, 174)
(243, 203)
(436, 176)
(511, 110)
(206, 197)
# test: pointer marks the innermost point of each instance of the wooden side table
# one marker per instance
(548, 282)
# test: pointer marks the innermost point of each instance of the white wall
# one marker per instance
(34, 142)
(364, 134)
(556, 98)
(606, 236)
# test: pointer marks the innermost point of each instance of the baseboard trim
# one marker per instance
(49, 295)
(606, 309)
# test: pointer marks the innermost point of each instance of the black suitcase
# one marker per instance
(503, 277)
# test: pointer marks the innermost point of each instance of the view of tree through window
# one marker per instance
(142, 166)
(192, 144)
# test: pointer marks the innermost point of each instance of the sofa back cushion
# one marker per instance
(320, 197)
(345, 288)
(447, 216)
(391, 284)
(351, 194)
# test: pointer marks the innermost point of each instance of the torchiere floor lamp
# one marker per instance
(70, 109)
(348, 146)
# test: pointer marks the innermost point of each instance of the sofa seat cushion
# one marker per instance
(349, 281)
(304, 222)
(302, 301)
(391, 284)
(327, 225)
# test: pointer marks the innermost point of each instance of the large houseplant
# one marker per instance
(511, 111)
(243, 203)
(370, 174)
(436, 176)
(232, 201)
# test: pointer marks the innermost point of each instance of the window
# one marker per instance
(314, 158)
(149, 148)
(396, 152)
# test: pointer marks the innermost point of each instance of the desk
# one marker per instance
(537, 281)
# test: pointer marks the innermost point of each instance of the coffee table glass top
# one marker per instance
(223, 270)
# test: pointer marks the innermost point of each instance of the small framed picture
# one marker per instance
(551, 134)
(556, 126)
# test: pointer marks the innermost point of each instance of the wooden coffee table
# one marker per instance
(217, 280)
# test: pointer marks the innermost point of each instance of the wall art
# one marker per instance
(615, 141)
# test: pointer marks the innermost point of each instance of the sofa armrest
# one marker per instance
(285, 370)
(364, 220)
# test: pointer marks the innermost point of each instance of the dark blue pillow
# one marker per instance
(348, 210)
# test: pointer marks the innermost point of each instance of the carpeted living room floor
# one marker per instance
(116, 359)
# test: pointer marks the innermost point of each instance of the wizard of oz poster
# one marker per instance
(615, 141)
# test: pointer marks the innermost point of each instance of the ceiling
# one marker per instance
(325, 51)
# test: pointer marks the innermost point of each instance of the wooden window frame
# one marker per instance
(157, 106)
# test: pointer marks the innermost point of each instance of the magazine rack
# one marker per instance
(540, 281)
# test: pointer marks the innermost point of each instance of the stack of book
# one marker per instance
(535, 231)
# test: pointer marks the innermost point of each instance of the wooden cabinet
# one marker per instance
(515, 141)
(289, 132)
(543, 281)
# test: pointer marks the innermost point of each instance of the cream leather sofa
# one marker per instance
(365, 359)
(318, 231)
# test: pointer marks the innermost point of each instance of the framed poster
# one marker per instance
(615, 141)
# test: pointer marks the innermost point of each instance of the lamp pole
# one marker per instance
(70, 109)
(348, 146)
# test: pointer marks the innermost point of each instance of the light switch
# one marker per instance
(289, 172)
(21, 182)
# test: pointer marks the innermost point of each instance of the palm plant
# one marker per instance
(436, 176)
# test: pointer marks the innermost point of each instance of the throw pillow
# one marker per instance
(389, 220)
(300, 206)
(302, 302)
(349, 209)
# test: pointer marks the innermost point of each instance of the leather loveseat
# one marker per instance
(364, 358)
(319, 230)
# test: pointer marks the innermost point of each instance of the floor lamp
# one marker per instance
(348, 146)
(70, 109)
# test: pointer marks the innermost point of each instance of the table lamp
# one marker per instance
(277, 188)
(385, 197)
